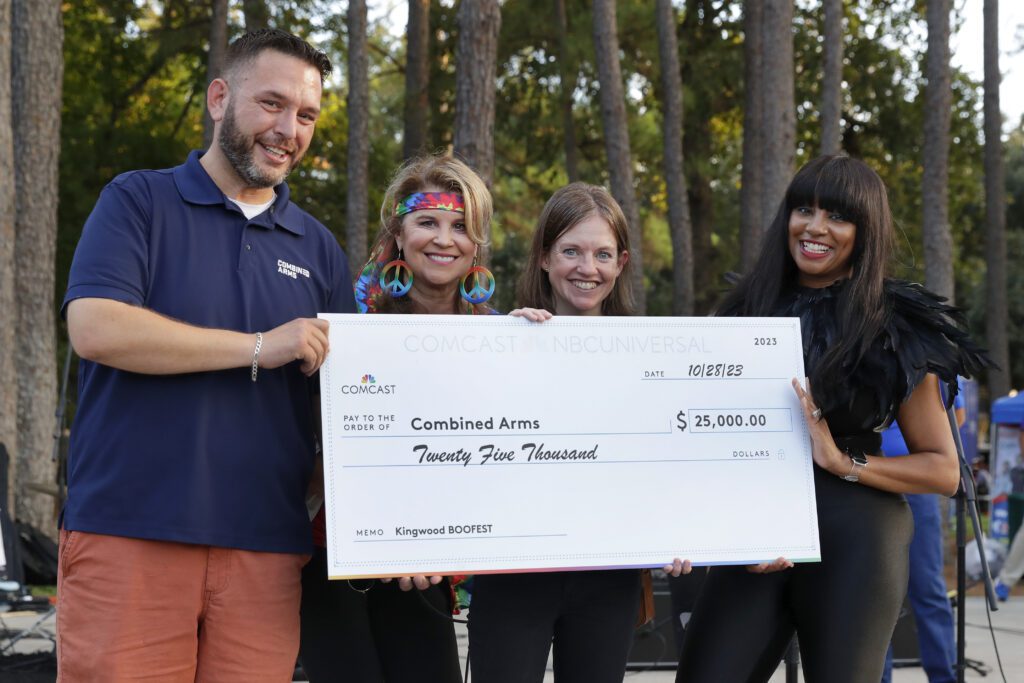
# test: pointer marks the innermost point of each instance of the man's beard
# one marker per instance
(238, 149)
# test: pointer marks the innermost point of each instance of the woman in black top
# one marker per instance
(875, 349)
(578, 266)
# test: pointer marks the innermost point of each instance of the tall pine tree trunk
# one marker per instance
(358, 104)
(215, 57)
(476, 65)
(567, 76)
(938, 241)
(698, 32)
(256, 14)
(752, 217)
(675, 182)
(616, 136)
(778, 104)
(707, 284)
(37, 76)
(996, 313)
(832, 79)
(8, 298)
(417, 78)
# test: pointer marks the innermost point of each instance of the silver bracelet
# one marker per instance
(256, 355)
(858, 462)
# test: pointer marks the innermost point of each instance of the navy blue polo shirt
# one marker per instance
(893, 442)
(207, 457)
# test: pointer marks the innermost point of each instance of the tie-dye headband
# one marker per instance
(422, 201)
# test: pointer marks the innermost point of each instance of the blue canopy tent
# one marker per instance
(1005, 466)
(1008, 410)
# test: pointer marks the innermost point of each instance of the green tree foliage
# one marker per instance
(975, 301)
(134, 91)
(132, 99)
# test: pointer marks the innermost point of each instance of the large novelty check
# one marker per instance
(470, 444)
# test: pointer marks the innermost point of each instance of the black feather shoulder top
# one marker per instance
(921, 334)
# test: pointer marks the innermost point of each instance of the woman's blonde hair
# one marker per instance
(446, 174)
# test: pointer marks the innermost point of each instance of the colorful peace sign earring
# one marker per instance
(480, 284)
(391, 277)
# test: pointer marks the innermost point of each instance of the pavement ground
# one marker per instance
(1007, 623)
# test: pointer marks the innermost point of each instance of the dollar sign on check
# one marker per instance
(681, 419)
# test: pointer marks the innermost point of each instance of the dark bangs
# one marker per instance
(833, 184)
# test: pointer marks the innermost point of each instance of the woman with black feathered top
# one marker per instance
(875, 349)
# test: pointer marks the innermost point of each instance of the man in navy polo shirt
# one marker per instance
(192, 301)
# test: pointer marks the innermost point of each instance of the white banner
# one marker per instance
(472, 444)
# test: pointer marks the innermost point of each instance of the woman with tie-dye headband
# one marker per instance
(435, 217)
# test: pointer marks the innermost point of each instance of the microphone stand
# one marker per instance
(966, 500)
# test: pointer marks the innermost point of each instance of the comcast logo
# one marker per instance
(368, 385)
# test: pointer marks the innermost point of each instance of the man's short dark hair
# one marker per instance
(247, 47)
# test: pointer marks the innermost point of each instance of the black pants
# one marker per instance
(384, 634)
(843, 609)
(589, 615)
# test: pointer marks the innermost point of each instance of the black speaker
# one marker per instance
(656, 646)
(905, 650)
(12, 570)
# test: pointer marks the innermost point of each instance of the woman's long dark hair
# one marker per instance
(851, 188)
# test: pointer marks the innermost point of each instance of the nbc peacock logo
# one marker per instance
(368, 379)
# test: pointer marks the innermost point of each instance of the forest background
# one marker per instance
(132, 95)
